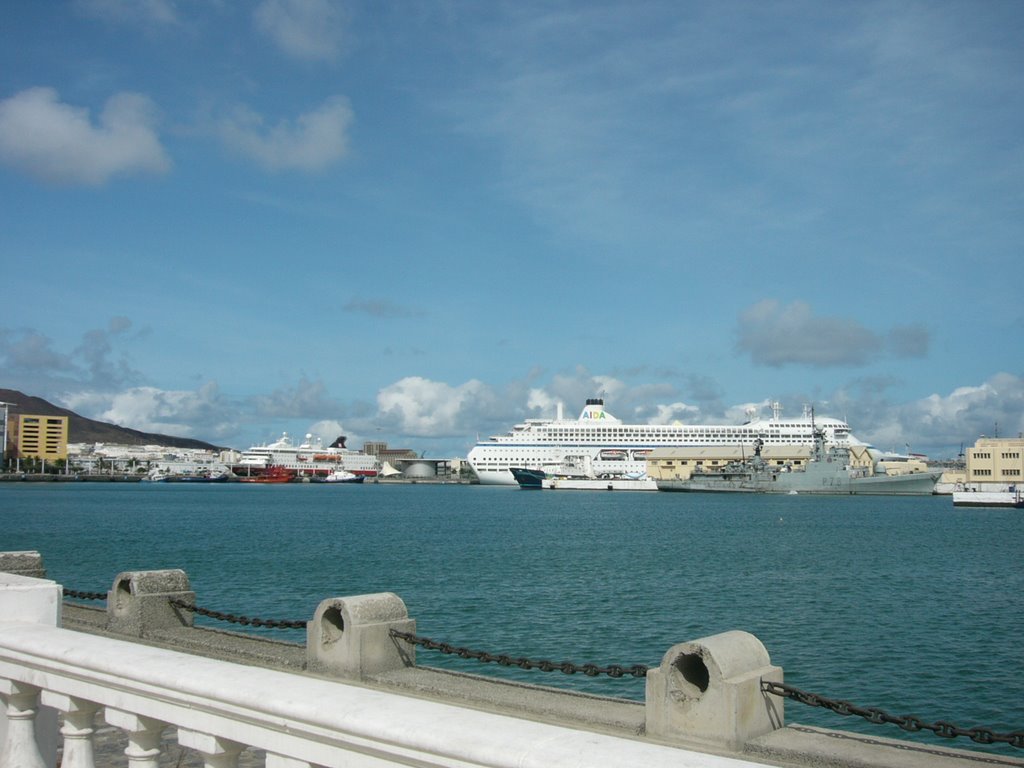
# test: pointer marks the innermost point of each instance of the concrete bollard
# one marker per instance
(710, 690)
(350, 636)
(139, 602)
(28, 563)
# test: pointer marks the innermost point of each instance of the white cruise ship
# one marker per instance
(616, 448)
(310, 459)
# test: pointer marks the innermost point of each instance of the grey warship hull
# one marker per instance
(828, 473)
(920, 484)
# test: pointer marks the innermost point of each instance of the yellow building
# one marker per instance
(680, 463)
(996, 460)
(41, 437)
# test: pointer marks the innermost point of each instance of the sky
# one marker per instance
(424, 221)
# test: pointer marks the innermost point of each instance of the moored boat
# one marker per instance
(617, 448)
(1013, 497)
(607, 483)
(341, 476)
(575, 474)
(310, 459)
(165, 475)
(829, 472)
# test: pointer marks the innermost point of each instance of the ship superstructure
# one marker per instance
(616, 448)
(311, 458)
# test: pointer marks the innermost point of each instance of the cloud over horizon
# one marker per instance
(418, 408)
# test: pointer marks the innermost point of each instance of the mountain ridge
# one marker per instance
(85, 430)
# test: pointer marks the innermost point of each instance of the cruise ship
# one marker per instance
(616, 448)
(309, 459)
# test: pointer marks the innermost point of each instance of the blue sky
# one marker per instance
(420, 222)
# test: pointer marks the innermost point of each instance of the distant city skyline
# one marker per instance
(422, 223)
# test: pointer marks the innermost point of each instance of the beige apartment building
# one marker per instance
(996, 461)
(39, 437)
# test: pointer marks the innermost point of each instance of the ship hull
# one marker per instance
(537, 479)
(988, 499)
(599, 484)
(921, 484)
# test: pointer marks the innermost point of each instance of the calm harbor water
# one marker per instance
(902, 603)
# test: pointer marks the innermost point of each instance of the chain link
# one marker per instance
(908, 723)
(85, 595)
(244, 620)
(566, 667)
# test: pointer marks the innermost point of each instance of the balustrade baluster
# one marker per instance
(144, 735)
(78, 728)
(20, 749)
(216, 752)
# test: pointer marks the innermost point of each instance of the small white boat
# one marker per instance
(1014, 497)
(575, 475)
(615, 483)
(341, 476)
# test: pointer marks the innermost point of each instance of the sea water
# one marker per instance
(907, 604)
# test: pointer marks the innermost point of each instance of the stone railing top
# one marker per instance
(307, 719)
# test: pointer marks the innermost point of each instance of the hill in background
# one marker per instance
(83, 430)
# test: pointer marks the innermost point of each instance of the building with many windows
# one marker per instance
(995, 461)
(40, 437)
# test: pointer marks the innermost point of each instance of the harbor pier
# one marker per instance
(355, 695)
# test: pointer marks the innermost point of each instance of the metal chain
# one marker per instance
(566, 667)
(245, 620)
(909, 723)
(85, 595)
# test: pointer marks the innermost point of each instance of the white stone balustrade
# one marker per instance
(706, 692)
(218, 708)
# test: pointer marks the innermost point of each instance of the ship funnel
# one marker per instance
(558, 412)
(340, 442)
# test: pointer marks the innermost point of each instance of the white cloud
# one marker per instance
(908, 341)
(181, 413)
(450, 415)
(306, 29)
(328, 431)
(58, 143)
(307, 399)
(423, 408)
(29, 360)
(669, 413)
(777, 335)
(314, 141)
(28, 351)
(941, 422)
(541, 402)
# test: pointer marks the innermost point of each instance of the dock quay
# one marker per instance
(132, 681)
